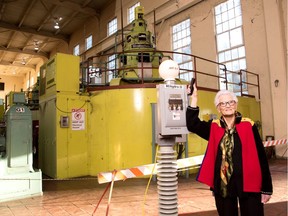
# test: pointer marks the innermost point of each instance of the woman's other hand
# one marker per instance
(265, 198)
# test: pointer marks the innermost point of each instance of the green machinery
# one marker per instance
(140, 60)
(16, 160)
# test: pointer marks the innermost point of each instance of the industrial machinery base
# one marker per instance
(20, 185)
(18, 179)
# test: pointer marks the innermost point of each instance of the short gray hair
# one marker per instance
(224, 92)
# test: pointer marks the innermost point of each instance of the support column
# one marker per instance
(274, 24)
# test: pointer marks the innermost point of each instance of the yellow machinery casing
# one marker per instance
(62, 148)
(59, 74)
(116, 128)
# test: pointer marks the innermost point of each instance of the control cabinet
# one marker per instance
(171, 109)
(59, 74)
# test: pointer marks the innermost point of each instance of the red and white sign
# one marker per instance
(78, 119)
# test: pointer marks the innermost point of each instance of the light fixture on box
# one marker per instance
(169, 71)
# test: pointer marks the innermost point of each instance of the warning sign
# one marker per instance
(78, 119)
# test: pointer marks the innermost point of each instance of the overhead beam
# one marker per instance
(74, 6)
(62, 37)
(42, 55)
(6, 63)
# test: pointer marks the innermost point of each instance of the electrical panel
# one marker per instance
(64, 121)
(171, 109)
(59, 74)
(18, 120)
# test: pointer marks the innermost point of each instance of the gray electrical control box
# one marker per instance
(171, 109)
(64, 121)
(18, 120)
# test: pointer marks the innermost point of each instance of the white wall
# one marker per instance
(12, 83)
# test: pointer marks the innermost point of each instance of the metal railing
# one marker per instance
(210, 75)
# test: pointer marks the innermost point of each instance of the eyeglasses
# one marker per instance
(224, 104)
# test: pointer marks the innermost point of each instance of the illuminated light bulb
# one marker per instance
(56, 26)
(169, 70)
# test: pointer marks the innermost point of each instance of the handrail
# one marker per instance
(202, 69)
(250, 83)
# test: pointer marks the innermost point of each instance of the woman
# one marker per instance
(235, 166)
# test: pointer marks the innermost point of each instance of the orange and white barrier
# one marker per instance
(104, 177)
(149, 169)
(275, 142)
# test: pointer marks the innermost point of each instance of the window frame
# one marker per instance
(228, 20)
(89, 42)
(111, 26)
(76, 48)
(181, 42)
(111, 65)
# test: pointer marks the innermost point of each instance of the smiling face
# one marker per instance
(227, 105)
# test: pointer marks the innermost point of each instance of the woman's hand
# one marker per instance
(265, 198)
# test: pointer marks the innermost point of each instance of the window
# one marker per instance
(111, 65)
(112, 26)
(181, 42)
(32, 81)
(76, 50)
(230, 42)
(88, 42)
(131, 12)
(2, 88)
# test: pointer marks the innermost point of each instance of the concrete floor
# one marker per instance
(81, 196)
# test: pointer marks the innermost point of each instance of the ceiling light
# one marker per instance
(36, 45)
(56, 26)
(56, 21)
